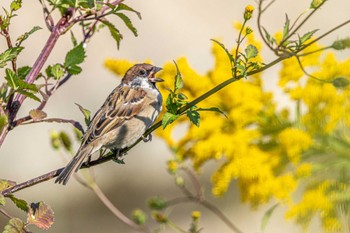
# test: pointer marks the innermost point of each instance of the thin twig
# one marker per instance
(76, 124)
(308, 74)
(5, 214)
(115, 210)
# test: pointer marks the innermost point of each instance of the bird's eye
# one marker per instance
(142, 72)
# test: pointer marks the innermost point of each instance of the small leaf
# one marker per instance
(16, 5)
(194, 117)
(26, 35)
(5, 184)
(340, 82)
(37, 114)
(21, 204)
(55, 140)
(66, 141)
(212, 109)
(179, 83)
(74, 70)
(29, 95)
(251, 51)
(9, 55)
(229, 55)
(267, 216)
(41, 215)
(75, 56)
(15, 225)
(307, 36)
(122, 6)
(117, 36)
(341, 44)
(128, 23)
(286, 28)
(23, 71)
(86, 113)
(73, 39)
(168, 118)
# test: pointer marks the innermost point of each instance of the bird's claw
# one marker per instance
(117, 156)
(147, 138)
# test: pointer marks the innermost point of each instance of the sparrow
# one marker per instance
(127, 113)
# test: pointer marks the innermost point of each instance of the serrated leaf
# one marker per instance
(117, 36)
(18, 84)
(307, 36)
(212, 109)
(168, 118)
(37, 114)
(41, 215)
(21, 204)
(23, 71)
(86, 113)
(25, 36)
(29, 95)
(9, 55)
(127, 22)
(122, 6)
(194, 117)
(340, 82)
(229, 55)
(251, 51)
(179, 83)
(75, 56)
(15, 225)
(56, 71)
(267, 216)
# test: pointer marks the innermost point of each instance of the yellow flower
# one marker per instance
(248, 12)
(196, 215)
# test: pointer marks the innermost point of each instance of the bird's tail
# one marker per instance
(74, 165)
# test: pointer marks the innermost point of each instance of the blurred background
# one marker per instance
(168, 29)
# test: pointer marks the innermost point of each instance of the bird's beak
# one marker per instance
(153, 72)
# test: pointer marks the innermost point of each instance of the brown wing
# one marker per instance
(121, 105)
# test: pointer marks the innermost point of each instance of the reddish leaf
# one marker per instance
(41, 215)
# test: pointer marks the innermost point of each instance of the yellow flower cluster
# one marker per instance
(260, 147)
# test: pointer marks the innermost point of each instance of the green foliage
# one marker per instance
(194, 116)
(267, 216)
(9, 55)
(3, 122)
(340, 82)
(73, 58)
(86, 113)
(15, 225)
(139, 217)
(25, 36)
(115, 33)
(21, 204)
(156, 203)
(55, 71)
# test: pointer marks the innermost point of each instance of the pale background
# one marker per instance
(169, 29)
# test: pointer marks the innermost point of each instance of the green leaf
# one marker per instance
(65, 141)
(25, 36)
(122, 6)
(267, 216)
(229, 55)
(18, 84)
(9, 55)
(29, 95)
(21, 204)
(114, 32)
(341, 44)
(340, 82)
(251, 51)
(86, 113)
(128, 23)
(179, 83)
(23, 71)
(75, 56)
(73, 39)
(194, 117)
(168, 118)
(37, 114)
(212, 109)
(55, 139)
(268, 37)
(56, 71)
(15, 225)
(74, 70)
(286, 28)
(5, 184)
(307, 36)
(41, 215)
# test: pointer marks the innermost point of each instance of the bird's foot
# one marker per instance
(117, 156)
(147, 138)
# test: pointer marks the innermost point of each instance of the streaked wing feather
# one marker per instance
(121, 105)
